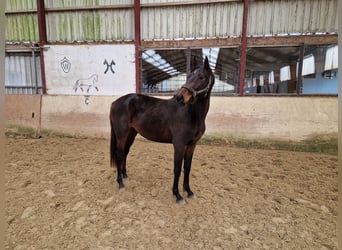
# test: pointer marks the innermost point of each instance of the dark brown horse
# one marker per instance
(179, 120)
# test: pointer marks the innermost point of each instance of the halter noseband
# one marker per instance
(194, 92)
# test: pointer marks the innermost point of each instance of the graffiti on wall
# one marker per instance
(90, 82)
(65, 65)
(109, 66)
(79, 70)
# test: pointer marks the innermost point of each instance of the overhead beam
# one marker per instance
(234, 42)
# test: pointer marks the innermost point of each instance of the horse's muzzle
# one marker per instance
(179, 98)
(183, 96)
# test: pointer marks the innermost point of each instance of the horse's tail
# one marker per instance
(112, 145)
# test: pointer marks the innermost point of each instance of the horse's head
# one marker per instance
(198, 84)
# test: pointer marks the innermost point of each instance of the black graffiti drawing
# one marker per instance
(88, 83)
(109, 66)
(66, 65)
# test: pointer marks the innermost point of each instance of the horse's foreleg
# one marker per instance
(178, 159)
(187, 167)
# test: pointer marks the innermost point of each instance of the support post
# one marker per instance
(188, 61)
(299, 85)
(42, 38)
(243, 48)
(137, 43)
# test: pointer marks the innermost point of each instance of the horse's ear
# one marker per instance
(206, 63)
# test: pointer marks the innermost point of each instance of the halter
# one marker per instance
(194, 92)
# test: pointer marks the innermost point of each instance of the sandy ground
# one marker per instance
(62, 194)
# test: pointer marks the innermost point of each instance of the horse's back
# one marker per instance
(138, 100)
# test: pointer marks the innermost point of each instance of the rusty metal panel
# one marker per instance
(292, 17)
(191, 21)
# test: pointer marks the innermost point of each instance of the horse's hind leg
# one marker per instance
(119, 160)
(124, 143)
(130, 139)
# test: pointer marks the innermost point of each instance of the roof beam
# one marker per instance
(231, 42)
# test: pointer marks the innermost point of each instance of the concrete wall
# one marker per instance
(269, 117)
(23, 110)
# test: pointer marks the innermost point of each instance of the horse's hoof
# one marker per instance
(191, 195)
(121, 186)
(189, 192)
(125, 176)
(181, 201)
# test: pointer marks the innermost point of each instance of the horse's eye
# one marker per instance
(201, 77)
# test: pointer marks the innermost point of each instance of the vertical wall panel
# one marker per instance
(192, 21)
(21, 28)
(22, 74)
(266, 17)
(101, 25)
(292, 16)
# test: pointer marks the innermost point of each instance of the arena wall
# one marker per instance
(287, 117)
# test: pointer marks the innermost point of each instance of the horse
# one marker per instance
(179, 120)
(89, 82)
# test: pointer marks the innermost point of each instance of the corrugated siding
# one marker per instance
(197, 21)
(23, 74)
(94, 25)
(292, 16)
(266, 17)
(85, 3)
(21, 27)
(21, 5)
(98, 25)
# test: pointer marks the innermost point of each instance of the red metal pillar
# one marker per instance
(243, 48)
(137, 43)
(42, 38)
(299, 86)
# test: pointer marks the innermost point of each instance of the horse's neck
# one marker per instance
(203, 107)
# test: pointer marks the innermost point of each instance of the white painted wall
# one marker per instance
(90, 70)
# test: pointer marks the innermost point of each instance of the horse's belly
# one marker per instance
(158, 135)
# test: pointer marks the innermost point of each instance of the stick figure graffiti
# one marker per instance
(88, 82)
(109, 66)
